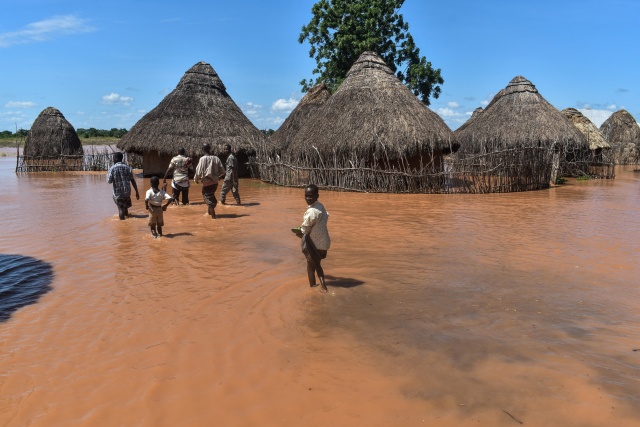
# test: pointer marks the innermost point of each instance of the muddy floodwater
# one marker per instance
(443, 310)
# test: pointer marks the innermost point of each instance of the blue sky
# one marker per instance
(106, 64)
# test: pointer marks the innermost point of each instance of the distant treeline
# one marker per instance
(82, 133)
(89, 133)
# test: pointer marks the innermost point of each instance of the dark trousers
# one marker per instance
(185, 194)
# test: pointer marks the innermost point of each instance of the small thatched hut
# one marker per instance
(623, 134)
(518, 116)
(51, 135)
(372, 120)
(315, 97)
(197, 111)
(592, 158)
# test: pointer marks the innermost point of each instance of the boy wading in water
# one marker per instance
(315, 236)
(153, 202)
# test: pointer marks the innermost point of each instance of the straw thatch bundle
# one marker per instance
(371, 118)
(197, 111)
(594, 138)
(51, 135)
(623, 134)
(315, 97)
(518, 116)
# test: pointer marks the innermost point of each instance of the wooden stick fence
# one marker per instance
(94, 161)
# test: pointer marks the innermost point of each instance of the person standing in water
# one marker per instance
(209, 171)
(231, 178)
(121, 175)
(153, 203)
(180, 165)
(315, 236)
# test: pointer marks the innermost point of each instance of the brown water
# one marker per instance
(444, 310)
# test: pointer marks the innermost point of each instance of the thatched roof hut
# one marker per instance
(594, 138)
(518, 116)
(623, 134)
(315, 97)
(51, 135)
(372, 119)
(197, 111)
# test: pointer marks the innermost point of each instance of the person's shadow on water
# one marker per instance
(172, 235)
(219, 215)
(342, 282)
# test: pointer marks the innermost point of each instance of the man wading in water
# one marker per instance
(120, 175)
(209, 171)
(315, 236)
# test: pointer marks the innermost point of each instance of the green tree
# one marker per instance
(340, 30)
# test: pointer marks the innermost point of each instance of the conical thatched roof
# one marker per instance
(315, 97)
(197, 111)
(621, 128)
(371, 116)
(623, 134)
(591, 132)
(518, 116)
(51, 135)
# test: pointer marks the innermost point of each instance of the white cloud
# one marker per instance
(252, 110)
(20, 104)
(453, 104)
(285, 104)
(484, 103)
(45, 30)
(114, 98)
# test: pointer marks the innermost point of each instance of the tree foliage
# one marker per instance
(340, 30)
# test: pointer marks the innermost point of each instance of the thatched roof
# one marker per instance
(518, 116)
(315, 97)
(474, 115)
(371, 116)
(621, 128)
(591, 132)
(51, 135)
(197, 111)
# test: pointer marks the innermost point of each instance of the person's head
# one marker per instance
(227, 149)
(311, 194)
(154, 181)
(118, 157)
(206, 148)
(181, 151)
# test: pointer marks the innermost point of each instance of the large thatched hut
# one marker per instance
(372, 120)
(51, 135)
(197, 111)
(520, 133)
(623, 134)
(593, 157)
(315, 97)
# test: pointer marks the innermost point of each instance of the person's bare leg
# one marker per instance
(159, 231)
(153, 231)
(311, 272)
(323, 286)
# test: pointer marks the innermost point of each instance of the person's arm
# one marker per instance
(146, 203)
(135, 187)
(164, 180)
(169, 200)
(310, 218)
(110, 176)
